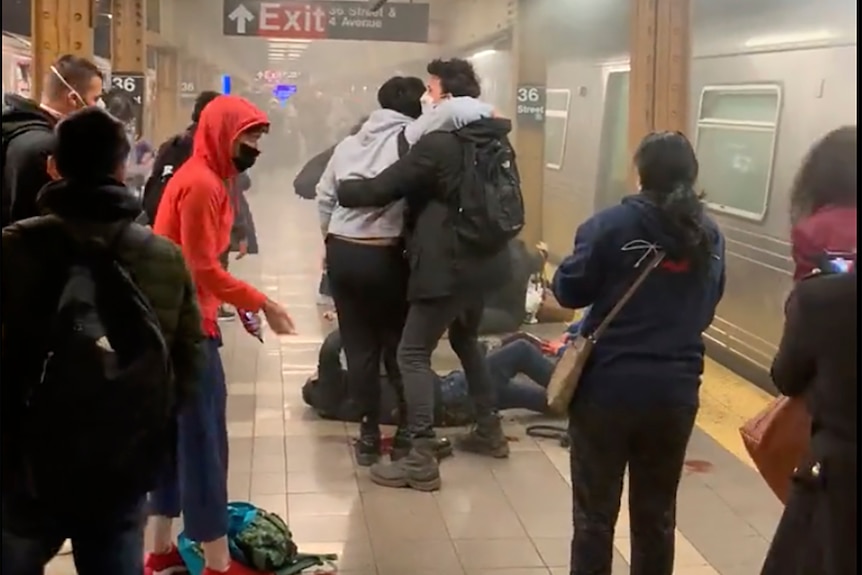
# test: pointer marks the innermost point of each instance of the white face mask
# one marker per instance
(428, 103)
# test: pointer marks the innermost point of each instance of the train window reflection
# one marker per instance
(614, 158)
(735, 147)
(556, 123)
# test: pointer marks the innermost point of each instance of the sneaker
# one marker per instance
(225, 314)
(170, 563)
(419, 470)
(485, 438)
(367, 446)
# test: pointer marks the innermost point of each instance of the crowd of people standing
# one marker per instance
(114, 392)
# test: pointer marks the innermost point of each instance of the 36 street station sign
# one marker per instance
(331, 20)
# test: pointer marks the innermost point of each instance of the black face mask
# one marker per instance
(245, 157)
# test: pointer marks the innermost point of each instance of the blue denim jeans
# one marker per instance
(197, 487)
(104, 542)
(518, 357)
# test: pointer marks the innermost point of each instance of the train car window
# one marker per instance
(735, 145)
(614, 158)
(556, 123)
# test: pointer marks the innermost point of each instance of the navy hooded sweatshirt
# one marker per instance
(652, 353)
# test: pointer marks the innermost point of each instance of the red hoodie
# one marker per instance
(831, 229)
(197, 213)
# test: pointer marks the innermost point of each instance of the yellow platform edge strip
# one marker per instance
(727, 401)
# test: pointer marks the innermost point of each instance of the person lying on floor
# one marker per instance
(520, 354)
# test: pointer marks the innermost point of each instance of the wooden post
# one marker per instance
(168, 121)
(59, 27)
(128, 36)
(530, 71)
(660, 67)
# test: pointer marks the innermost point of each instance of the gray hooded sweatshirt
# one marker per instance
(373, 149)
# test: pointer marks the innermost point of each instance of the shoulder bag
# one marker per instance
(567, 373)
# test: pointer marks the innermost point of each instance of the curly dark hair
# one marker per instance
(457, 77)
(827, 175)
(119, 104)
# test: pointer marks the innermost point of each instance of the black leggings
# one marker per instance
(369, 286)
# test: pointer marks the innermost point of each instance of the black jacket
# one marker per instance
(429, 178)
(305, 183)
(171, 155)
(25, 164)
(818, 360)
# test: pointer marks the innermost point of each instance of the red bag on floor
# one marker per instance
(777, 439)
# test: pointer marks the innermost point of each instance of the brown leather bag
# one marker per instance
(567, 373)
(777, 440)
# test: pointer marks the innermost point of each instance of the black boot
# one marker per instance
(367, 446)
(485, 438)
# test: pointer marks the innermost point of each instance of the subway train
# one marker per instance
(17, 68)
(768, 79)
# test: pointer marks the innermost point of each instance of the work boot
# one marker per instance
(401, 444)
(486, 437)
(417, 470)
(367, 446)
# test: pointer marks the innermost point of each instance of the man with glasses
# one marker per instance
(71, 84)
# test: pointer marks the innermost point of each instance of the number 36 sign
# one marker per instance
(530, 104)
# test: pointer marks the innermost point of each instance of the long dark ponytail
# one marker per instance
(667, 167)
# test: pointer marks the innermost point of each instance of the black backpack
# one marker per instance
(171, 155)
(11, 129)
(100, 422)
(490, 205)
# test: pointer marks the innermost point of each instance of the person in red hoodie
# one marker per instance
(197, 213)
(824, 199)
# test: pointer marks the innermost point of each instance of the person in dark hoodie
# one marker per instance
(636, 403)
(90, 198)
(71, 83)
(448, 281)
(818, 360)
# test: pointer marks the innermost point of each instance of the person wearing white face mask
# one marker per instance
(72, 83)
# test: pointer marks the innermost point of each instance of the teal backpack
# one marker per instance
(258, 539)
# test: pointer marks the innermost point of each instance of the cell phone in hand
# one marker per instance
(251, 323)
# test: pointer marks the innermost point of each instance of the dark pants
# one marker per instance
(104, 542)
(198, 485)
(427, 321)
(369, 286)
(652, 443)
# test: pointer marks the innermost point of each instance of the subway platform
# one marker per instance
(492, 517)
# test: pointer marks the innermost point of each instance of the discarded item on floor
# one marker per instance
(260, 540)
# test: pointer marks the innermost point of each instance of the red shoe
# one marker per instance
(234, 569)
(170, 563)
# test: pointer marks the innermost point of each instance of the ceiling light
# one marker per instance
(483, 53)
(803, 37)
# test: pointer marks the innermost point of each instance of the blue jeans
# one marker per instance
(198, 486)
(103, 542)
(519, 357)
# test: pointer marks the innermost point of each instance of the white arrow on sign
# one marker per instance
(241, 16)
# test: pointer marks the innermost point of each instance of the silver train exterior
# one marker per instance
(768, 78)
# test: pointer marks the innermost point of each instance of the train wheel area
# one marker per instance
(491, 516)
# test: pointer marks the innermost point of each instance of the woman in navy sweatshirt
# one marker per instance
(638, 396)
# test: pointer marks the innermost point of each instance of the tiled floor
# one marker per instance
(509, 517)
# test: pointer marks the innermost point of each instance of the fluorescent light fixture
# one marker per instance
(803, 37)
(289, 41)
(483, 53)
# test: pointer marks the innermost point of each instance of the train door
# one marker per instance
(614, 160)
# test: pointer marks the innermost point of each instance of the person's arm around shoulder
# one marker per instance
(578, 279)
(200, 219)
(409, 176)
(794, 367)
(326, 199)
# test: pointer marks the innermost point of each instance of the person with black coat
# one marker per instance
(72, 83)
(448, 282)
(818, 360)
